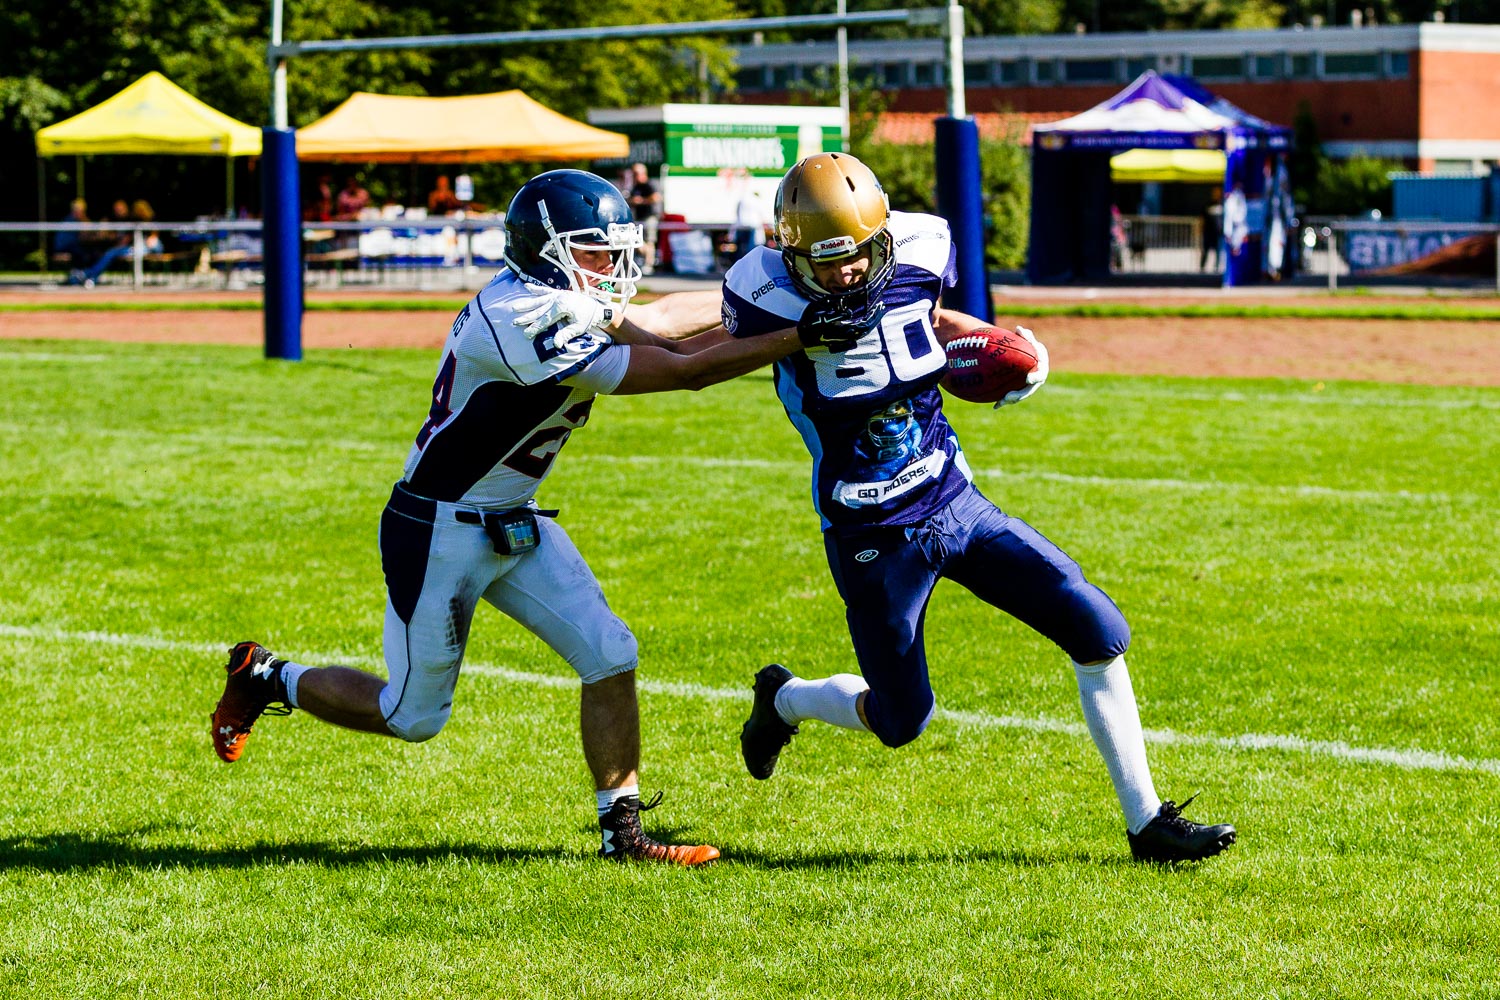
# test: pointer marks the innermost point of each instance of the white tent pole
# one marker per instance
(843, 48)
(278, 76)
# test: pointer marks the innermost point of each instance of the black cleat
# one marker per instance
(625, 840)
(766, 732)
(1169, 837)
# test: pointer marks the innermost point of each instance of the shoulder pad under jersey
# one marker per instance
(527, 360)
(921, 240)
(758, 295)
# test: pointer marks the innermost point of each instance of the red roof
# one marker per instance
(911, 128)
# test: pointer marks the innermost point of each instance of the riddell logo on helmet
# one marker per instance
(837, 246)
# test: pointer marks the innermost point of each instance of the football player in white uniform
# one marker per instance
(518, 375)
(897, 500)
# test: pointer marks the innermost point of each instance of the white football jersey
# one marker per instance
(504, 404)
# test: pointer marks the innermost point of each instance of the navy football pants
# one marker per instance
(886, 574)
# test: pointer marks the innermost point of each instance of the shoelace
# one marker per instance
(1171, 812)
(268, 709)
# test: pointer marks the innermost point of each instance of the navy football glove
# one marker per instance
(835, 327)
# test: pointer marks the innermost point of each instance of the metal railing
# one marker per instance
(1157, 244)
(228, 252)
(438, 252)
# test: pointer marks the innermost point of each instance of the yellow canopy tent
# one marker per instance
(479, 128)
(152, 115)
(1194, 166)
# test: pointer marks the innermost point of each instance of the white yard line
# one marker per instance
(1338, 397)
(1413, 760)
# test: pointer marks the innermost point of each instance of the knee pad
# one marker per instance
(615, 657)
(413, 728)
(896, 729)
(1101, 633)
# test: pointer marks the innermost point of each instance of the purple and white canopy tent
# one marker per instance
(1070, 185)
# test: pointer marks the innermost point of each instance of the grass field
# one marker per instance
(1310, 572)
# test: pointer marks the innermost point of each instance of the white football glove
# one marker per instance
(1037, 376)
(579, 314)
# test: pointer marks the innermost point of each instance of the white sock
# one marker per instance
(832, 699)
(290, 674)
(1115, 724)
(608, 797)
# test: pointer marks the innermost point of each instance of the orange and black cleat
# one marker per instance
(249, 692)
(625, 840)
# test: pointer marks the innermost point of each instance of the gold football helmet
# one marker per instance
(829, 208)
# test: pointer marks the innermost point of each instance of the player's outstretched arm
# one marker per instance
(670, 318)
(656, 369)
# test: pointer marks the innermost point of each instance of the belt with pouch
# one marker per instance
(511, 531)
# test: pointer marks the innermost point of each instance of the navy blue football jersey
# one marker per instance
(871, 416)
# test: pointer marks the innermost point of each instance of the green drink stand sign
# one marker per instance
(707, 158)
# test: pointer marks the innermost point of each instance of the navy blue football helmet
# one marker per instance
(559, 210)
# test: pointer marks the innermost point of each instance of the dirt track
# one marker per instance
(1434, 353)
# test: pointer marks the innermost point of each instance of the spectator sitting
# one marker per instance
(125, 242)
(101, 249)
(141, 211)
(320, 204)
(72, 243)
(352, 200)
(442, 200)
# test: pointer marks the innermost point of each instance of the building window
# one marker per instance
(977, 72)
(926, 74)
(1218, 67)
(1136, 65)
(893, 74)
(782, 77)
(1088, 71)
(1302, 66)
(750, 78)
(1397, 64)
(1351, 64)
(1046, 71)
(862, 74)
(1267, 67)
(1014, 72)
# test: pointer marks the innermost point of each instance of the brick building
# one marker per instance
(1424, 93)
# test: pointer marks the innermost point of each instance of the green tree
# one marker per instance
(908, 174)
(65, 56)
(1354, 186)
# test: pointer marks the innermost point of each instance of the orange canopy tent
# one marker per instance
(480, 128)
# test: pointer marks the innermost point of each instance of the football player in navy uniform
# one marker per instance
(518, 375)
(897, 500)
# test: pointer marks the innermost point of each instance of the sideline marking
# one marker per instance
(1411, 760)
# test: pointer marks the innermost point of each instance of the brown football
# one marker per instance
(985, 364)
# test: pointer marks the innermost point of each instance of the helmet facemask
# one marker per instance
(855, 300)
(621, 239)
(831, 208)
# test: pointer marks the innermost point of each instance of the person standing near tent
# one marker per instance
(1212, 223)
(645, 201)
(519, 374)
